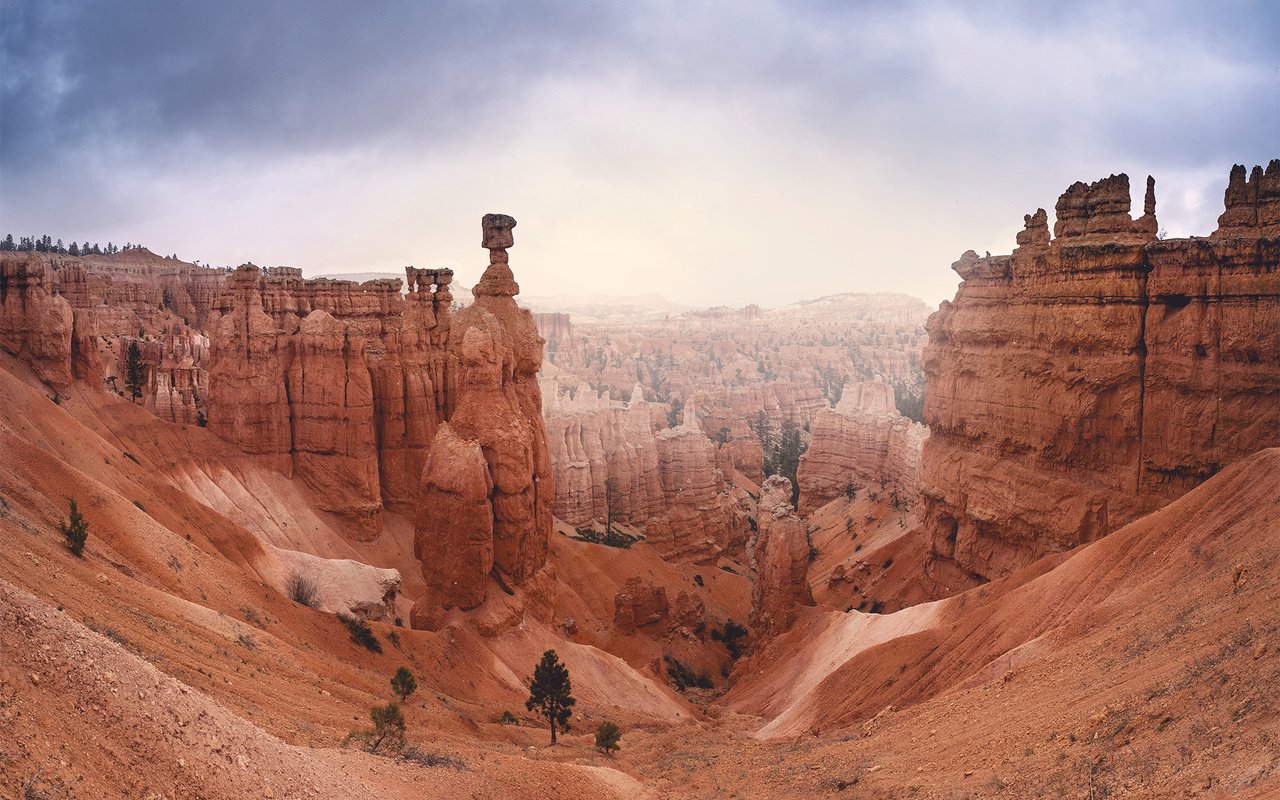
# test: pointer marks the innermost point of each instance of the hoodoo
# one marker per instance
(1091, 377)
(486, 488)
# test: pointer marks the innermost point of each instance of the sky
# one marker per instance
(712, 152)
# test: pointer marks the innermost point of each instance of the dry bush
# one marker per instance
(303, 589)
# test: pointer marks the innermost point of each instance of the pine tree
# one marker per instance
(8, 244)
(388, 725)
(403, 683)
(549, 693)
(134, 371)
(612, 502)
(76, 529)
(608, 737)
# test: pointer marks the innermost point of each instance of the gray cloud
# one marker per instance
(710, 142)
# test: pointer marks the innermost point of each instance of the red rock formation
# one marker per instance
(781, 558)
(117, 300)
(35, 324)
(666, 481)
(1089, 378)
(343, 382)
(640, 603)
(496, 406)
(861, 442)
(789, 363)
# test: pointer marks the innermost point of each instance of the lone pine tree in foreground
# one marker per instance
(549, 693)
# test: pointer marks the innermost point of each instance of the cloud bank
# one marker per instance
(715, 152)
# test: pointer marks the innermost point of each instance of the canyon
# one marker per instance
(1024, 543)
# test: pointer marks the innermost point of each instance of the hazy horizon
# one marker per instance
(715, 154)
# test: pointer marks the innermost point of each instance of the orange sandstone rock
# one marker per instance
(1090, 378)
(781, 558)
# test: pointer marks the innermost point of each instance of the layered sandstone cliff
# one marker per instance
(863, 441)
(341, 382)
(1092, 376)
(75, 317)
(612, 456)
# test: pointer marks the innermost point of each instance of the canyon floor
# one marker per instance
(163, 665)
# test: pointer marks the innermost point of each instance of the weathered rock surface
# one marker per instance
(1090, 378)
(494, 409)
(861, 442)
(35, 323)
(640, 603)
(737, 366)
(665, 480)
(781, 560)
(132, 297)
(341, 382)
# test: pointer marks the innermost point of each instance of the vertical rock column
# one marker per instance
(782, 561)
(486, 487)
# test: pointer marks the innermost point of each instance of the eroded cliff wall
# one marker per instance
(1092, 376)
(862, 442)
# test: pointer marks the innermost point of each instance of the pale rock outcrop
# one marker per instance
(342, 585)
(861, 442)
(1088, 379)
(781, 557)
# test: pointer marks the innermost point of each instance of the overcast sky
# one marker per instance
(733, 152)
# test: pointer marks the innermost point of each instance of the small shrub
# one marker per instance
(876, 607)
(612, 538)
(698, 580)
(303, 589)
(394, 638)
(75, 529)
(731, 635)
(413, 755)
(388, 727)
(360, 632)
(403, 683)
(507, 718)
(683, 677)
(608, 737)
(888, 562)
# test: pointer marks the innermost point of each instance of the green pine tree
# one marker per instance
(134, 371)
(388, 726)
(549, 693)
(403, 683)
(76, 529)
(608, 737)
